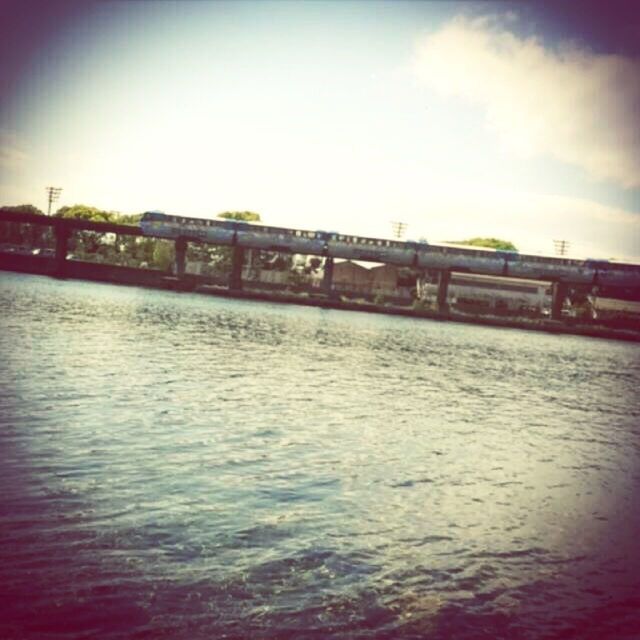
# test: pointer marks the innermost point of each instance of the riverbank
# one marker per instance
(115, 274)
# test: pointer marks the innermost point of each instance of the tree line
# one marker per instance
(487, 243)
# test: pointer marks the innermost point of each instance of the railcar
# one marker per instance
(618, 274)
(457, 258)
(551, 268)
(371, 249)
(158, 224)
(283, 240)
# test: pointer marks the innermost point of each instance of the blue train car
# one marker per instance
(284, 240)
(158, 224)
(552, 268)
(618, 274)
(459, 258)
(371, 249)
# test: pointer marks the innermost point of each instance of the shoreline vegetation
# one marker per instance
(144, 261)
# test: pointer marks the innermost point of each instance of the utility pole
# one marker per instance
(561, 247)
(53, 195)
(398, 229)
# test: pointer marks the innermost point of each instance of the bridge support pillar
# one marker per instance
(235, 279)
(444, 277)
(559, 294)
(327, 278)
(181, 253)
(62, 247)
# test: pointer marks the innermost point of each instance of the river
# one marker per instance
(176, 465)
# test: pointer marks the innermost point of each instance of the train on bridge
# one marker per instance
(419, 255)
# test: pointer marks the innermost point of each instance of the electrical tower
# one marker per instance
(398, 229)
(53, 194)
(561, 247)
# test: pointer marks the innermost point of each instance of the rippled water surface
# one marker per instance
(182, 466)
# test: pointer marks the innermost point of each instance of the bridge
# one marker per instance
(437, 262)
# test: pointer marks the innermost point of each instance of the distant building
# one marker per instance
(384, 281)
(352, 277)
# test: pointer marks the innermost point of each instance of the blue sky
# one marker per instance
(460, 119)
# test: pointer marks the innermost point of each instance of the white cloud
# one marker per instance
(581, 107)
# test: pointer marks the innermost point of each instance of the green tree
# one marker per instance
(96, 246)
(85, 212)
(22, 208)
(163, 255)
(129, 218)
(24, 234)
(488, 243)
(243, 216)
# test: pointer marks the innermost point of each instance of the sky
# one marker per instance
(463, 119)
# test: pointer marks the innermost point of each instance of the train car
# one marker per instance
(371, 249)
(160, 225)
(618, 274)
(575, 271)
(157, 224)
(460, 258)
(280, 239)
(552, 268)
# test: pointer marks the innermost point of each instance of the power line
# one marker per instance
(561, 247)
(54, 194)
(398, 229)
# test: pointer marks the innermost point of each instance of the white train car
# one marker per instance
(491, 293)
